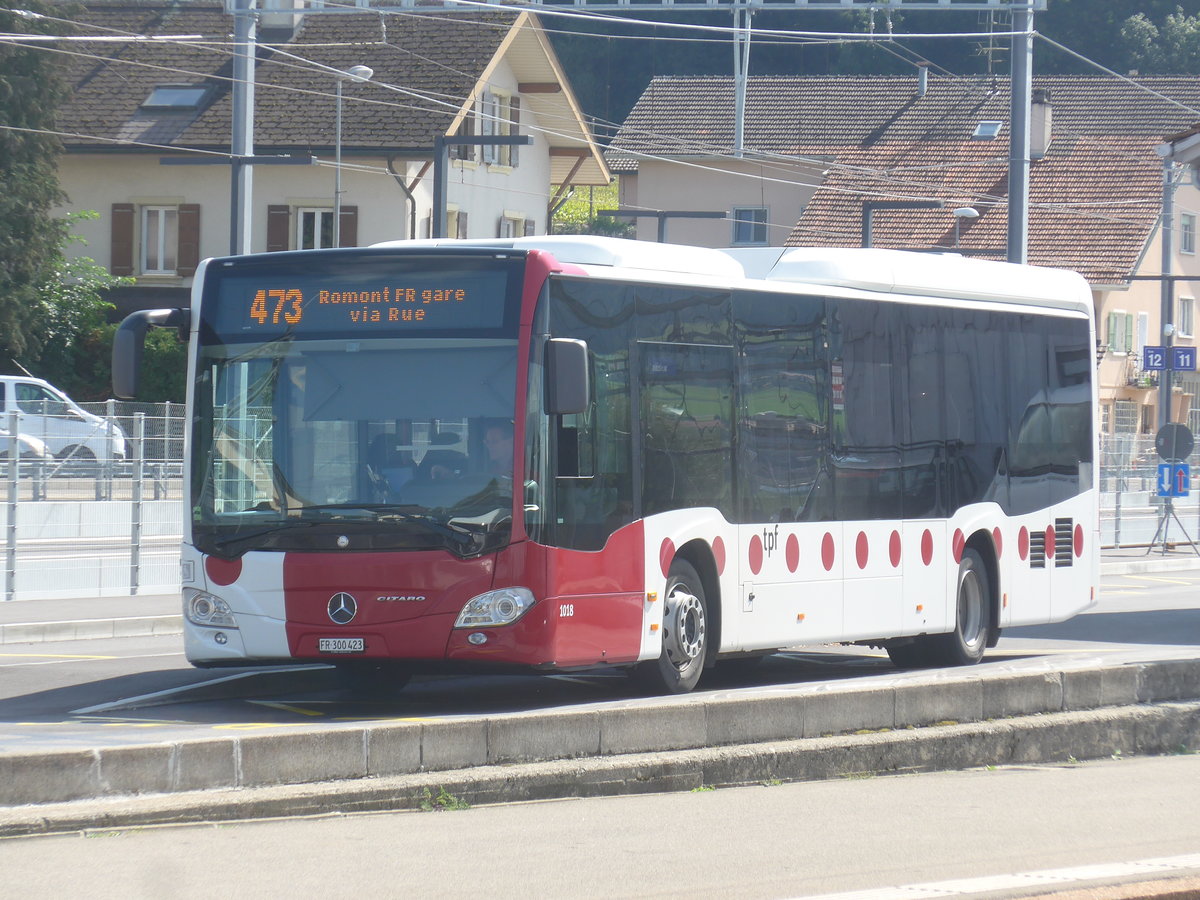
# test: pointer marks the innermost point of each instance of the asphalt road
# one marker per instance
(990, 833)
(137, 689)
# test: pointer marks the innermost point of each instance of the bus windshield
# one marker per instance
(324, 436)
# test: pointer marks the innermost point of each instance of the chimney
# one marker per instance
(922, 78)
(1039, 124)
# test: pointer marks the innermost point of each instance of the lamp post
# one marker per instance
(359, 74)
(963, 212)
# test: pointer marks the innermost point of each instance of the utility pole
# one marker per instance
(245, 28)
(1021, 89)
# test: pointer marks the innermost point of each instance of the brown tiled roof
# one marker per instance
(439, 59)
(1094, 198)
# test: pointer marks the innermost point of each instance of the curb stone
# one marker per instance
(1050, 738)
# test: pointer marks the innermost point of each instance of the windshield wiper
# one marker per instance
(222, 543)
(391, 511)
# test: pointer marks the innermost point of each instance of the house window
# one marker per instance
(160, 240)
(1187, 316)
(1120, 331)
(176, 96)
(314, 228)
(1106, 418)
(1125, 417)
(1187, 233)
(155, 239)
(749, 225)
(512, 225)
(501, 116)
(987, 131)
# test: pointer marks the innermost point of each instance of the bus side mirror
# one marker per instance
(130, 340)
(567, 389)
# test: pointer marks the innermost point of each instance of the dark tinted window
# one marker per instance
(592, 494)
(865, 452)
(783, 414)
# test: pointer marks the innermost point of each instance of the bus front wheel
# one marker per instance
(685, 634)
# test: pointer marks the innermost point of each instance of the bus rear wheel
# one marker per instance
(685, 634)
(964, 646)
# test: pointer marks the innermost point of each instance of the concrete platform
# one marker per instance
(941, 719)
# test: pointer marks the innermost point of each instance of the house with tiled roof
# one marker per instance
(1096, 186)
(147, 132)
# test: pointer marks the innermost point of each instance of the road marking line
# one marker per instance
(52, 656)
(993, 883)
(287, 707)
(1160, 580)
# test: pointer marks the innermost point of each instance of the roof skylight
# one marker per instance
(176, 96)
(986, 131)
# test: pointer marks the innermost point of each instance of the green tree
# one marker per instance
(1172, 47)
(30, 237)
(76, 343)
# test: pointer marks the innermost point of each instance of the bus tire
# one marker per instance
(965, 645)
(373, 679)
(685, 634)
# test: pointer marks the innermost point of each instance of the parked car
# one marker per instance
(69, 433)
(32, 449)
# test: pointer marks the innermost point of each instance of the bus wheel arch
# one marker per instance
(689, 628)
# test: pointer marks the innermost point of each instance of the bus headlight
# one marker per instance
(502, 607)
(207, 610)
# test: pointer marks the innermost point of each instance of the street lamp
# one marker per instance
(963, 212)
(358, 74)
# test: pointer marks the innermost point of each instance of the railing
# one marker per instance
(114, 529)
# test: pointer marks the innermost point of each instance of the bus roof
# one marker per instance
(946, 275)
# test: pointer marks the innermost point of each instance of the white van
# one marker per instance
(70, 433)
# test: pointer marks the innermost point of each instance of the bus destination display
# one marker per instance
(267, 305)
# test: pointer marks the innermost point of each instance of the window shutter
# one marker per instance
(279, 221)
(515, 129)
(349, 235)
(530, 228)
(189, 239)
(488, 126)
(121, 252)
(1128, 331)
(1112, 332)
(462, 224)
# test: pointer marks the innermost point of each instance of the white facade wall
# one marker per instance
(782, 187)
(485, 192)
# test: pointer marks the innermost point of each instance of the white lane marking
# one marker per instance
(965, 887)
(126, 702)
(49, 659)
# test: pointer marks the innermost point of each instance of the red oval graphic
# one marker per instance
(959, 543)
(792, 553)
(894, 549)
(223, 571)
(998, 540)
(756, 554)
(718, 548)
(1079, 540)
(927, 547)
(666, 554)
(1050, 542)
(827, 552)
(862, 549)
(1023, 543)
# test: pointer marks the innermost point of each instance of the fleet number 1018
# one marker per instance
(261, 307)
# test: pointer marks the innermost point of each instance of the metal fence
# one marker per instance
(95, 525)
(113, 528)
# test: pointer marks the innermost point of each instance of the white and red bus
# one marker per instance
(560, 453)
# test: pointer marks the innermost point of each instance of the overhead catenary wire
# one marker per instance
(455, 104)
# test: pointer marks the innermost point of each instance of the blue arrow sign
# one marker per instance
(1173, 479)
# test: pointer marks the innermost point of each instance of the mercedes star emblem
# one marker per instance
(342, 608)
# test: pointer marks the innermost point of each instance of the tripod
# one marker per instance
(1164, 524)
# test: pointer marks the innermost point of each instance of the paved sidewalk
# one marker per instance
(38, 621)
